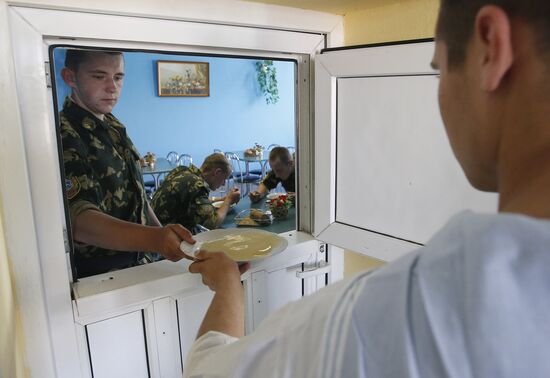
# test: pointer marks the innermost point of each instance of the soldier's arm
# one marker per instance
(257, 195)
(221, 213)
(97, 228)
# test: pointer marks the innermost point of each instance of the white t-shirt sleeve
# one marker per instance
(289, 343)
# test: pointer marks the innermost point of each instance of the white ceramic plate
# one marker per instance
(219, 204)
(243, 244)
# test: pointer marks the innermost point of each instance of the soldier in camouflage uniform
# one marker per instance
(110, 216)
(183, 195)
(282, 171)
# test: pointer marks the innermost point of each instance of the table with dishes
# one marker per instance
(277, 226)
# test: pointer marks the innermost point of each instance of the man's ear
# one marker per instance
(69, 77)
(492, 34)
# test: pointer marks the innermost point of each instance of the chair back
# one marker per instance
(236, 169)
(173, 157)
(292, 151)
(239, 174)
(185, 160)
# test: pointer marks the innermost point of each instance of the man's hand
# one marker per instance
(223, 276)
(219, 272)
(255, 196)
(233, 196)
(170, 239)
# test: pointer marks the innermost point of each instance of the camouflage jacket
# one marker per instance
(183, 198)
(271, 181)
(102, 173)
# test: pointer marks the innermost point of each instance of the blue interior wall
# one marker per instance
(233, 117)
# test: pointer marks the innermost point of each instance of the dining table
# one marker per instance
(278, 226)
(161, 167)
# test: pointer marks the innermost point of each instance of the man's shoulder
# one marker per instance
(186, 178)
(484, 236)
(114, 121)
(470, 240)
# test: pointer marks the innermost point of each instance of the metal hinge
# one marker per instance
(48, 76)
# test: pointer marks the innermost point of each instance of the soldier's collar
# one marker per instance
(89, 120)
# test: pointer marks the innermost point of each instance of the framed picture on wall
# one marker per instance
(183, 78)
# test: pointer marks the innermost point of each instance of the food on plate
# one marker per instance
(246, 221)
(258, 215)
(245, 246)
(253, 217)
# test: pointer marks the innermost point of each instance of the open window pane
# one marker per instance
(177, 110)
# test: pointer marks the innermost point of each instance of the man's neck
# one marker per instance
(77, 101)
(524, 165)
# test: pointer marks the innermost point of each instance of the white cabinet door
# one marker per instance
(191, 309)
(387, 179)
(117, 347)
(272, 290)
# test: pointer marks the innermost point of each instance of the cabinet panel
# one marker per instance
(272, 290)
(117, 347)
(191, 311)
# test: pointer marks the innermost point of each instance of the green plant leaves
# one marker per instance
(267, 79)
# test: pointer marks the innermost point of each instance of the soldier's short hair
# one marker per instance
(216, 160)
(456, 19)
(280, 153)
(74, 57)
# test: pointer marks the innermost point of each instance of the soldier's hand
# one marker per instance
(255, 196)
(234, 196)
(171, 238)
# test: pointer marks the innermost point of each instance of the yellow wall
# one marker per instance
(11, 332)
(406, 19)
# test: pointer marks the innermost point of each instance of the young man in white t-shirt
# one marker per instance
(475, 300)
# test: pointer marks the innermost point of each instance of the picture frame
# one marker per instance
(183, 79)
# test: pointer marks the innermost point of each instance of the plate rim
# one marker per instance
(279, 249)
(221, 202)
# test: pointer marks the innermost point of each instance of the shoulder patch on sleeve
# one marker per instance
(72, 187)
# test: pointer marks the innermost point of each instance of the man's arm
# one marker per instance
(102, 230)
(222, 275)
(232, 197)
(257, 195)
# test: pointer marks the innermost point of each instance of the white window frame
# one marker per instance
(32, 202)
(411, 59)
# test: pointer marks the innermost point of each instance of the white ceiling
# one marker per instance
(340, 7)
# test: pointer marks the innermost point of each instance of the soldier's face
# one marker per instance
(97, 84)
(282, 170)
(217, 179)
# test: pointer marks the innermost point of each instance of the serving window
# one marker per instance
(177, 109)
